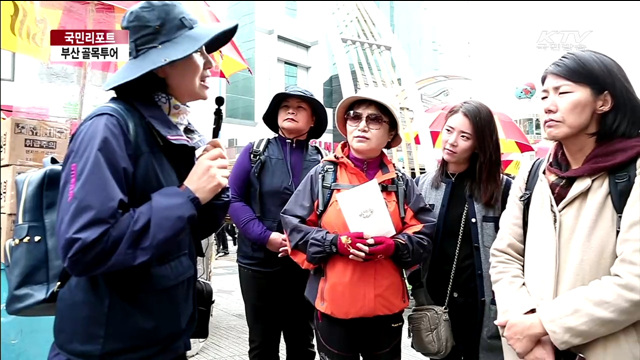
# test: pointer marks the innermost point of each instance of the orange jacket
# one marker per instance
(345, 288)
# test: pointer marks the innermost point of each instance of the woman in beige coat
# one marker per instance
(575, 291)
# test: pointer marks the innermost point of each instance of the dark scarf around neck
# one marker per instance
(604, 157)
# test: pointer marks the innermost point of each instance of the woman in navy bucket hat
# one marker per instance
(135, 200)
(319, 125)
(272, 284)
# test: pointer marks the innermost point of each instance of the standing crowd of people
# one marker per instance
(141, 188)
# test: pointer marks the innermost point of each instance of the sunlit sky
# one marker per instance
(504, 39)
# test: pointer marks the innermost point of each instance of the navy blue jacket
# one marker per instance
(266, 193)
(129, 235)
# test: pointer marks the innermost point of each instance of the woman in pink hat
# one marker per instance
(357, 280)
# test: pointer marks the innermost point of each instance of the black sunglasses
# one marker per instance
(374, 121)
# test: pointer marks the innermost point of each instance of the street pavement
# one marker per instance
(228, 338)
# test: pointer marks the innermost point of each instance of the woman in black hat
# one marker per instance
(262, 181)
(134, 201)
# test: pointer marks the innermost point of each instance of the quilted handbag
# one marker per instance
(429, 325)
(430, 329)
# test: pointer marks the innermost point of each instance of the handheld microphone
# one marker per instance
(217, 118)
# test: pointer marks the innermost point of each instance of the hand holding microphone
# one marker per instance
(210, 174)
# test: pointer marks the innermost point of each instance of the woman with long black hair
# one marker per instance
(468, 190)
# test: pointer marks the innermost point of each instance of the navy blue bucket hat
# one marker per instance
(270, 117)
(161, 32)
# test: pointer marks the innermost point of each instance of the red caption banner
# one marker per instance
(89, 37)
(89, 45)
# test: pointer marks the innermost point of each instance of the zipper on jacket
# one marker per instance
(405, 289)
(287, 159)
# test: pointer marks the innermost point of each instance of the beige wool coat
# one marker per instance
(582, 280)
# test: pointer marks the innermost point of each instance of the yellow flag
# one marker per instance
(26, 26)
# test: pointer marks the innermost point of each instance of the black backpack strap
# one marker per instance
(258, 150)
(326, 185)
(319, 150)
(400, 193)
(50, 160)
(123, 111)
(620, 184)
(256, 156)
(506, 188)
(532, 179)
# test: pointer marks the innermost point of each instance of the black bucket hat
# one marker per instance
(161, 32)
(270, 117)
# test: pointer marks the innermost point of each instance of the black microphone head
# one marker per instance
(219, 101)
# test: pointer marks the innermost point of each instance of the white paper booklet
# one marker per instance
(365, 210)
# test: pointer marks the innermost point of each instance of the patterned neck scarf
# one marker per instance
(559, 184)
(179, 114)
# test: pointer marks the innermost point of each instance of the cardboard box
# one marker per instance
(9, 201)
(6, 229)
(28, 142)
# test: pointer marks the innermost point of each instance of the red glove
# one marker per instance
(382, 248)
(348, 241)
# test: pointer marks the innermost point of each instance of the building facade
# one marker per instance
(283, 43)
(290, 42)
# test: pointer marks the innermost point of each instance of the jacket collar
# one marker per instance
(387, 169)
(296, 143)
(154, 114)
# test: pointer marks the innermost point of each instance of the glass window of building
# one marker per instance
(241, 90)
(291, 8)
(290, 74)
